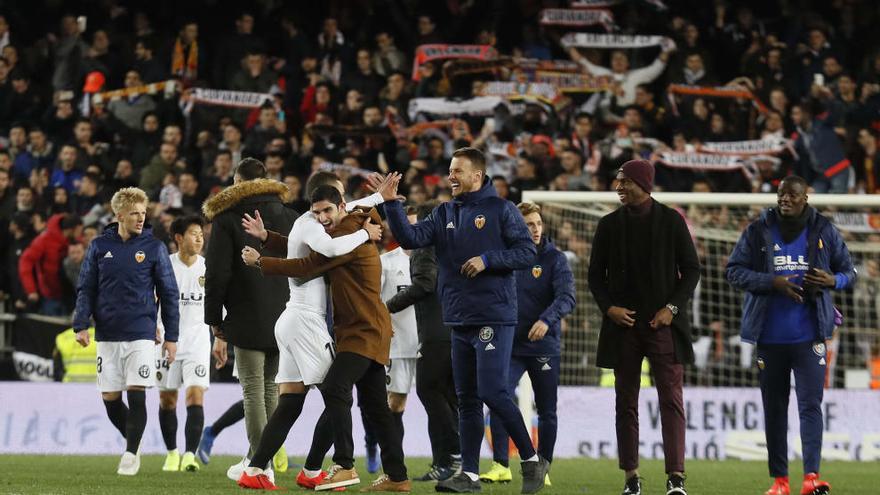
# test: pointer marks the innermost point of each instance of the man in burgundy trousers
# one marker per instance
(643, 270)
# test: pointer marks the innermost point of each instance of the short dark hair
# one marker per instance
(93, 177)
(320, 178)
(796, 179)
(325, 193)
(70, 221)
(181, 225)
(475, 156)
(250, 169)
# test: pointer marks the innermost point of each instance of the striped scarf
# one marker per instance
(183, 66)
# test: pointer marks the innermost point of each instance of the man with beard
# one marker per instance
(788, 261)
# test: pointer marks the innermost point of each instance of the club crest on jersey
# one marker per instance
(486, 334)
(536, 271)
(201, 371)
(480, 221)
(144, 371)
(202, 281)
(819, 349)
(140, 256)
(760, 363)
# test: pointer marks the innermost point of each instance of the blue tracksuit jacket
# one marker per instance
(474, 224)
(750, 268)
(119, 283)
(544, 291)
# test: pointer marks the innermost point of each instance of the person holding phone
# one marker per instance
(788, 261)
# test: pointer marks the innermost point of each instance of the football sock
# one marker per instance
(168, 425)
(233, 415)
(195, 421)
(322, 440)
(117, 412)
(289, 408)
(533, 458)
(505, 463)
(398, 421)
(136, 421)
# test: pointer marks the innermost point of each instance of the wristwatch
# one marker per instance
(672, 308)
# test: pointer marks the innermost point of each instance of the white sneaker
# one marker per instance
(235, 470)
(129, 464)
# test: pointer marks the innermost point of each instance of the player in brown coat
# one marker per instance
(362, 328)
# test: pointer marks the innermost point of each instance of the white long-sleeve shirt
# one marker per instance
(629, 80)
(307, 234)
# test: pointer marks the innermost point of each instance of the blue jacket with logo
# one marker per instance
(750, 268)
(474, 224)
(544, 291)
(119, 283)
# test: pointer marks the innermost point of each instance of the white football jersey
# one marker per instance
(195, 335)
(396, 277)
(306, 235)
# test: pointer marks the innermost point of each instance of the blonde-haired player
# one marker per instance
(123, 271)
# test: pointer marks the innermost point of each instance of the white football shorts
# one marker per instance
(126, 364)
(400, 375)
(304, 345)
(186, 372)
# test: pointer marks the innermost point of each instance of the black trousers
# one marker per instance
(350, 369)
(436, 390)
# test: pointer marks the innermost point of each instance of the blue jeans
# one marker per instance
(837, 184)
(53, 307)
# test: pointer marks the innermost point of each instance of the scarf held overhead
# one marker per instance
(716, 91)
(577, 18)
(168, 87)
(427, 53)
(593, 40)
(229, 98)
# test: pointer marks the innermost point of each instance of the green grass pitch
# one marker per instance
(55, 475)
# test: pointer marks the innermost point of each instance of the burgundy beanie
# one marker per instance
(641, 172)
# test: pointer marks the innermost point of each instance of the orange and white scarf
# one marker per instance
(185, 67)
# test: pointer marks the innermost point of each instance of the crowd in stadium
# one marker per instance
(342, 89)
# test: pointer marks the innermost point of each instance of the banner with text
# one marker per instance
(722, 423)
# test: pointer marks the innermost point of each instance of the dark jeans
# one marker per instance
(775, 364)
(657, 345)
(351, 369)
(436, 390)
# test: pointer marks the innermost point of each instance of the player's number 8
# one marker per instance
(99, 363)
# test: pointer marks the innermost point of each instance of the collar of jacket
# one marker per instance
(355, 220)
(545, 245)
(487, 190)
(814, 219)
(112, 231)
(235, 193)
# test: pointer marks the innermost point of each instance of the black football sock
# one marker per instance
(288, 410)
(195, 421)
(398, 420)
(322, 440)
(168, 425)
(233, 415)
(136, 421)
(117, 412)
